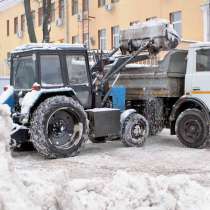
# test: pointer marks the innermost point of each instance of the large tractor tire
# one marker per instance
(59, 127)
(153, 112)
(192, 129)
(134, 130)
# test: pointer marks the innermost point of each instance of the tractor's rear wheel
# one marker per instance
(59, 127)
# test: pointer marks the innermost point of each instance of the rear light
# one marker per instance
(36, 87)
(6, 87)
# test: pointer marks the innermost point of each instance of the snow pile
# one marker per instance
(13, 195)
(129, 192)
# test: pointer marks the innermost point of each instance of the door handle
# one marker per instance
(196, 88)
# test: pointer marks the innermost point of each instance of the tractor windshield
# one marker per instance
(24, 72)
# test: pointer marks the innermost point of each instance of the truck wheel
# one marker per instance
(134, 131)
(59, 127)
(192, 129)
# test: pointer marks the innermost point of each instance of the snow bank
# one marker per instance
(124, 191)
(13, 195)
(129, 192)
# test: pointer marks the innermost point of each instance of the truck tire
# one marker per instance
(153, 112)
(59, 127)
(192, 128)
(134, 131)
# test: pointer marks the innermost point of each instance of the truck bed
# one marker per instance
(164, 80)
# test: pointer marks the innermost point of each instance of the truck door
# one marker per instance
(79, 78)
(200, 86)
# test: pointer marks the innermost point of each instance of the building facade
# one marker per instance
(97, 22)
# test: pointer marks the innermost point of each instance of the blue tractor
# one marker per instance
(58, 102)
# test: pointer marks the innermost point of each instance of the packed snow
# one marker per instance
(103, 177)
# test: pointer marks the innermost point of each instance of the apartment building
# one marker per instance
(97, 22)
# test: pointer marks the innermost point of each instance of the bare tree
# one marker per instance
(46, 20)
(29, 20)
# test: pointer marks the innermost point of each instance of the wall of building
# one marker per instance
(122, 14)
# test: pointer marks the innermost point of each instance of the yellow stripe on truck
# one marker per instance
(200, 92)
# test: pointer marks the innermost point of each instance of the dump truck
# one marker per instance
(58, 101)
(173, 94)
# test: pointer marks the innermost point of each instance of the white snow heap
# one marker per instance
(13, 195)
(129, 192)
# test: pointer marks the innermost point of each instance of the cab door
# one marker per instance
(79, 77)
(200, 86)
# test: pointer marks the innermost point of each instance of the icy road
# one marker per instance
(161, 155)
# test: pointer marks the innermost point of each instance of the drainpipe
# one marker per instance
(66, 28)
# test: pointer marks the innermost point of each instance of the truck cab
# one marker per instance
(197, 79)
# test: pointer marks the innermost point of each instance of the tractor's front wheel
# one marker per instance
(59, 127)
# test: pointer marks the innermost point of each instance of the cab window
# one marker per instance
(51, 70)
(203, 60)
(24, 72)
(77, 71)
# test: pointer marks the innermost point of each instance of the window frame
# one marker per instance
(40, 16)
(74, 7)
(86, 67)
(114, 35)
(8, 27)
(101, 3)
(24, 54)
(102, 38)
(201, 71)
(173, 22)
(63, 76)
(15, 25)
(75, 53)
(22, 22)
(85, 5)
(61, 9)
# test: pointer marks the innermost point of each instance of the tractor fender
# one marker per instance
(186, 102)
(125, 115)
(33, 97)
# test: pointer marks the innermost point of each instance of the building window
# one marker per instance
(176, 21)
(115, 36)
(74, 7)
(40, 16)
(85, 5)
(102, 39)
(33, 16)
(15, 25)
(61, 9)
(7, 27)
(75, 39)
(52, 13)
(22, 24)
(101, 3)
(114, 1)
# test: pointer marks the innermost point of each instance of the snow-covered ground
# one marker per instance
(162, 175)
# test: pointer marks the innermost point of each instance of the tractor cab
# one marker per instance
(52, 66)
